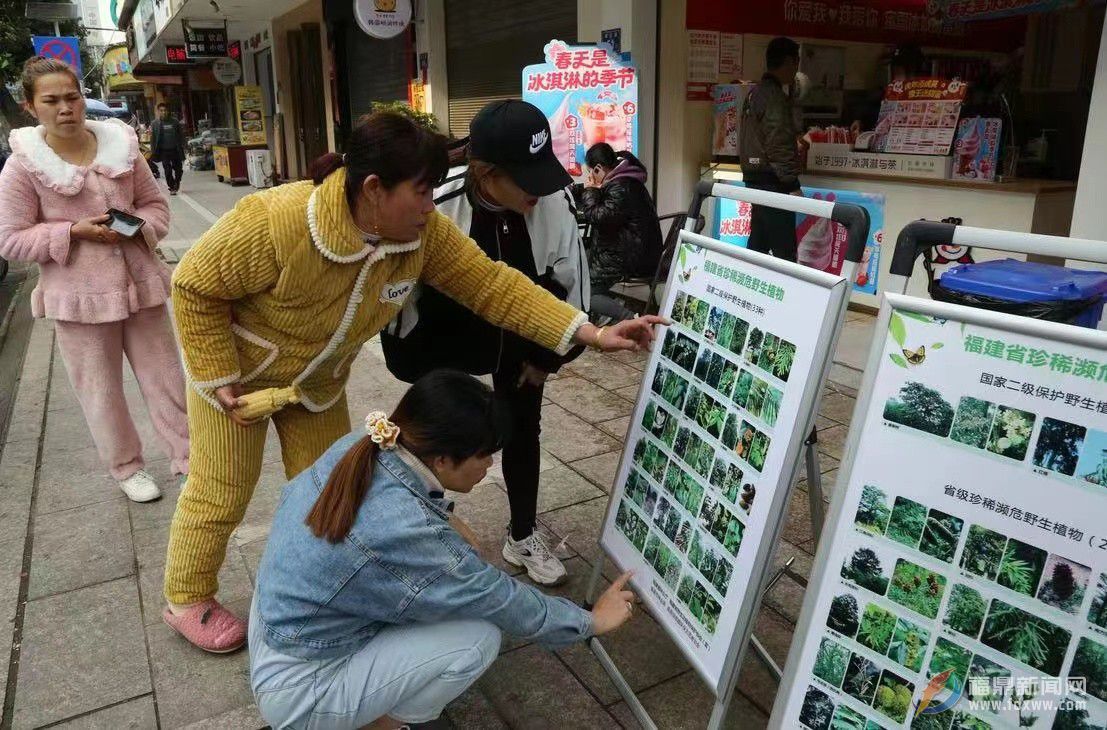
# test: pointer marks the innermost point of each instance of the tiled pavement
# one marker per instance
(81, 568)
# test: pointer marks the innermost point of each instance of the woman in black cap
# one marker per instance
(511, 200)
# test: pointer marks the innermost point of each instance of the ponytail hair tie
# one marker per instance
(343, 158)
(381, 431)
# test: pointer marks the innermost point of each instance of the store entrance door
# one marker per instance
(307, 83)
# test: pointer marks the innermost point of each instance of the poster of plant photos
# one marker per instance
(716, 436)
(964, 583)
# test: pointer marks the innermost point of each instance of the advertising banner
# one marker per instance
(249, 115)
(822, 243)
(962, 578)
(976, 149)
(703, 64)
(590, 95)
(919, 116)
(715, 437)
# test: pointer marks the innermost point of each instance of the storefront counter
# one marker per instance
(230, 162)
(1029, 206)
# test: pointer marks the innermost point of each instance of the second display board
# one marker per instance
(962, 582)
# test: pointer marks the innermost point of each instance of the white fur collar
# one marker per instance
(116, 151)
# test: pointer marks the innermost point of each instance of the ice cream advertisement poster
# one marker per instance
(976, 149)
(589, 94)
(822, 243)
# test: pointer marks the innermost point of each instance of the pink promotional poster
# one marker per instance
(589, 94)
(822, 244)
(976, 149)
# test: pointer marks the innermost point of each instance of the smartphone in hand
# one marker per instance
(124, 224)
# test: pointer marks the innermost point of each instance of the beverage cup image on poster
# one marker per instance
(964, 583)
(715, 436)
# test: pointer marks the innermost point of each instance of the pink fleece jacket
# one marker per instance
(42, 196)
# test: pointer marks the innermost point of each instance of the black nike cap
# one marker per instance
(514, 135)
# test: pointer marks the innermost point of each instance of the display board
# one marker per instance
(716, 435)
(962, 580)
(589, 94)
(919, 116)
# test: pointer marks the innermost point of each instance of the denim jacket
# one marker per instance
(401, 563)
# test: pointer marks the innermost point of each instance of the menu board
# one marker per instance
(715, 438)
(250, 119)
(919, 116)
(964, 584)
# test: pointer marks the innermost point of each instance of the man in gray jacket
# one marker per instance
(768, 147)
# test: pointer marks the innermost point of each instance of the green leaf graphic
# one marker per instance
(897, 328)
(898, 360)
(937, 346)
(682, 256)
(919, 317)
(963, 327)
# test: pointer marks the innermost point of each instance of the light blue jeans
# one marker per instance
(409, 673)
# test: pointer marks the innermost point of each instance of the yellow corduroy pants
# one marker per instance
(224, 468)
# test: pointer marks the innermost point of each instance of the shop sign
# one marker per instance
(822, 243)
(868, 21)
(841, 158)
(117, 68)
(226, 71)
(713, 442)
(249, 116)
(382, 18)
(962, 575)
(176, 54)
(981, 9)
(204, 42)
(589, 94)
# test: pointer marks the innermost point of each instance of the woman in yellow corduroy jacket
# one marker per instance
(275, 301)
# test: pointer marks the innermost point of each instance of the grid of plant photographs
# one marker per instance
(705, 436)
(925, 594)
(1062, 448)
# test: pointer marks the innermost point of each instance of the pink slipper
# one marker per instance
(209, 626)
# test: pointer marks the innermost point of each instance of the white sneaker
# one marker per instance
(140, 487)
(533, 554)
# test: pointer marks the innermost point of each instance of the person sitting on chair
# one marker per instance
(626, 237)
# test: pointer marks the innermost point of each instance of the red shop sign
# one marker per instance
(873, 21)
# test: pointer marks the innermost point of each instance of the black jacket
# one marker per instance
(446, 334)
(626, 237)
(155, 137)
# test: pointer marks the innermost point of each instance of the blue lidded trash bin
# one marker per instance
(1030, 289)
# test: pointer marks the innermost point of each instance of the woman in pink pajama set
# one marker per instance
(106, 293)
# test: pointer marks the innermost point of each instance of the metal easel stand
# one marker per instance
(718, 713)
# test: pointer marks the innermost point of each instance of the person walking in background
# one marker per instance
(106, 292)
(626, 236)
(511, 200)
(168, 145)
(768, 146)
(276, 300)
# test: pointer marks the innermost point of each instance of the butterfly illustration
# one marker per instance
(686, 275)
(936, 685)
(916, 357)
